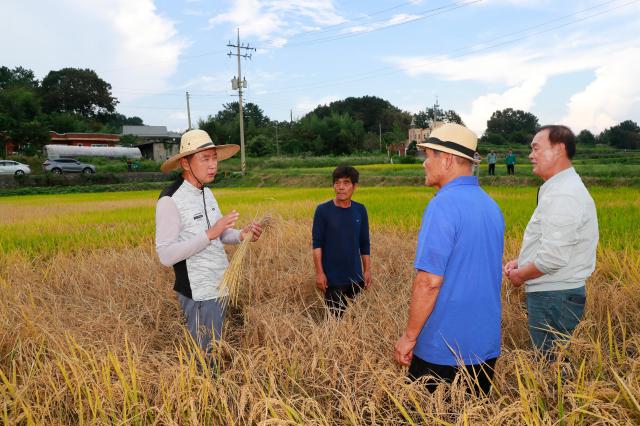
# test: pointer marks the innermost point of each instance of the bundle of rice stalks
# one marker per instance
(232, 277)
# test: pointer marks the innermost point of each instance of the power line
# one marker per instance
(384, 71)
(428, 13)
(330, 28)
(148, 64)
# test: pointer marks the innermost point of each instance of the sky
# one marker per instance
(573, 62)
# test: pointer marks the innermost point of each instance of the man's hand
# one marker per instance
(509, 266)
(404, 350)
(516, 278)
(321, 282)
(254, 228)
(367, 279)
(225, 222)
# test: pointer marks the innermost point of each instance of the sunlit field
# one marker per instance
(91, 331)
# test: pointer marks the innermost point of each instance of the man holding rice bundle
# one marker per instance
(455, 309)
(191, 231)
(341, 243)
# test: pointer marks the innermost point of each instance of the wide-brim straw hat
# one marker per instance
(453, 139)
(195, 141)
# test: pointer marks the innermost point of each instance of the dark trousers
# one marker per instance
(337, 298)
(481, 374)
(492, 169)
(553, 315)
(511, 169)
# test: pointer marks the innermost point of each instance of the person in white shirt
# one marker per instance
(558, 250)
(191, 231)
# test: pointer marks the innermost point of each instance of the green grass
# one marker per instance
(75, 222)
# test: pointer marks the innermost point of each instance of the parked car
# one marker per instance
(9, 167)
(67, 165)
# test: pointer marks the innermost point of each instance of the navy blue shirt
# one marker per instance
(462, 239)
(343, 236)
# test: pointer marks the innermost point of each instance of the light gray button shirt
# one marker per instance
(562, 236)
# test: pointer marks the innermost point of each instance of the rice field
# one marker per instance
(91, 332)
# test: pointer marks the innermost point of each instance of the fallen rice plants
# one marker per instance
(91, 332)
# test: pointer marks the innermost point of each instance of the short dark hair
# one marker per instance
(561, 134)
(346, 172)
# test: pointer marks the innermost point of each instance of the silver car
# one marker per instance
(67, 165)
(9, 167)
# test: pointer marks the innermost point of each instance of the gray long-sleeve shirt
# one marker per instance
(182, 242)
(562, 236)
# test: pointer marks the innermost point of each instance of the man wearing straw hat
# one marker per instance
(455, 310)
(191, 231)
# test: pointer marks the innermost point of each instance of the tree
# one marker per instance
(225, 125)
(509, 120)
(422, 119)
(412, 149)
(337, 134)
(493, 139)
(261, 146)
(585, 137)
(21, 116)
(76, 90)
(64, 122)
(625, 135)
(17, 77)
(515, 126)
(372, 111)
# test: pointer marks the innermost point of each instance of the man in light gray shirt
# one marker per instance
(558, 250)
(191, 231)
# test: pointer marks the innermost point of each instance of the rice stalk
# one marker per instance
(232, 278)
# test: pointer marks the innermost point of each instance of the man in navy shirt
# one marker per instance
(455, 310)
(341, 243)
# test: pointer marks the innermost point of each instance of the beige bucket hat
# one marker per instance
(195, 141)
(453, 139)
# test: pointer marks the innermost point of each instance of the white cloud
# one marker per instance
(610, 97)
(394, 20)
(521, 97)
(215, 82)
(265, 19)
(178, 116)
(523, 72)
(128, 43)
(306, 105)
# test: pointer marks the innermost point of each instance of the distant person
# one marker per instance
(558, 250)
(510, 161)
(492, 158)
(341, 247)
(191, 231)
(129, 164)
(476, 164)
(455, 309)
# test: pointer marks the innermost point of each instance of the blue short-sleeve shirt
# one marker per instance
(462, 239)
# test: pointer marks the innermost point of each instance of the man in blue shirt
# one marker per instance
(455, 310)
(341, 243)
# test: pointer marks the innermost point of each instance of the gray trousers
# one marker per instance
(203, 318)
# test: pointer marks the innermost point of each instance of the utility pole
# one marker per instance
(291, 116)
(240, 83)
(380, 135)
(188, 112)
